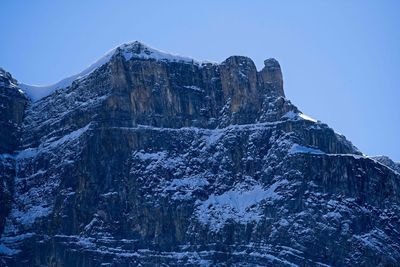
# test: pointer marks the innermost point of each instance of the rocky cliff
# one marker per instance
(150, 159)
(12, 106)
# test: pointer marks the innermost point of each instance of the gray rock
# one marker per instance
(12, 105)
(155, 160)
(388, 162)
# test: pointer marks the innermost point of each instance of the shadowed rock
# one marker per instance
(151, 159)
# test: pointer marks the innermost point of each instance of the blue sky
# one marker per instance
(340, 59)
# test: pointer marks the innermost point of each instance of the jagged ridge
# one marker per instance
(150, 160)
(133, 49)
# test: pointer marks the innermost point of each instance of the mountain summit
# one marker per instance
(151, 159)
(134, 49)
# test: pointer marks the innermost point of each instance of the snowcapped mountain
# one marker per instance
(129, 50)
(152, 159)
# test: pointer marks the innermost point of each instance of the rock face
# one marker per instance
(152, 159)
(12, 105)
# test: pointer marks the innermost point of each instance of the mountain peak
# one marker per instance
(129, 50)
(7, 79)
(148, 159)
(138, 49)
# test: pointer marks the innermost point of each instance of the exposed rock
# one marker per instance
(12, 105)
(271, 76)
(388, 162)
(152, 159)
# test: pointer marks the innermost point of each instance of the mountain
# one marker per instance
(129, 50)
(388, 162)
(151, 159)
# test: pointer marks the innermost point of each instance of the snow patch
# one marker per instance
(36, 92)
(212, 137)
(194, 88)
(151, 156)
(240, 205)
(184, 187)
(28, 217)
(308, 118)
(298, 149)
(33, 152)
(139, 50)
(291, 115)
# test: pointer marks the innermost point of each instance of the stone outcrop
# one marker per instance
(12, 105)
(152, 159)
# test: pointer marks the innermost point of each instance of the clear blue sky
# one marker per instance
(340, 59)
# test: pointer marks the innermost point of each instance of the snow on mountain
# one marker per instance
(387, 162)
(129, 50)
(176, 164)
(7, 81)
(291, 115)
